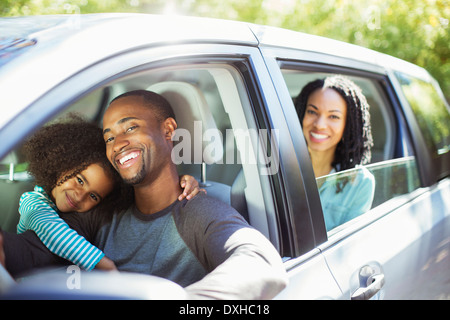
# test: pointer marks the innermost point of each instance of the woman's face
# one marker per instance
(324, 120)
(84, 191)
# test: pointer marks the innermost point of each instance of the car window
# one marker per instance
(383, 127)
(217, 140)
(91, 105)
(348, 194)
(430, 110)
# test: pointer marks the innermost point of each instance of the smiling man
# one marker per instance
(138, 131)
(202, 244)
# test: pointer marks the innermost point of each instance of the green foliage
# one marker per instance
(430, 112)
(414, 30)
(37, 7)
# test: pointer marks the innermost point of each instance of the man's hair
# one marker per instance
(157, 103)
(355, 146)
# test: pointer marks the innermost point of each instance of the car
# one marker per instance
(232, 86)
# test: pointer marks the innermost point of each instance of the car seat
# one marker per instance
(189, 106)
(237, 196)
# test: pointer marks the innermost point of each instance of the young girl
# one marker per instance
(72, 174)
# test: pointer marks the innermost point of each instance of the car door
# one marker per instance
(402, 252)
(399, 248)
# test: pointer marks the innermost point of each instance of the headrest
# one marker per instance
(14, 157)
(192, 113)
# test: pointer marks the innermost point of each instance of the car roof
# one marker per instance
(282, 38)
(62, 45)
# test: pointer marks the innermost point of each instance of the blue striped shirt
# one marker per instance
(39, 214)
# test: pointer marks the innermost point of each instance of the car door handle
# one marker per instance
(374, 284)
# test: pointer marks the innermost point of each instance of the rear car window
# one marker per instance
(430, 111)
(348, 194)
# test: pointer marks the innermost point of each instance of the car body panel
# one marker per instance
(408, 259)
(310, 279)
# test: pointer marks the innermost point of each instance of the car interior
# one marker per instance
(211, 103)
(386, 160)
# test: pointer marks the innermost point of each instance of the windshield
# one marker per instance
(19, 34)
(16, 34)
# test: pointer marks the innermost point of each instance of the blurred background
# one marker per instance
(414, 30)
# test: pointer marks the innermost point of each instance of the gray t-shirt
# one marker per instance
(150, 244)
(188, 241)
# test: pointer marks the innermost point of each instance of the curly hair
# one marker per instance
(61, 150)
(356, 144)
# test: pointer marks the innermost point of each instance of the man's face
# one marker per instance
(136, 144)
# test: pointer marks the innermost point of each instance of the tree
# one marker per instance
(37, 7)
(417, 31)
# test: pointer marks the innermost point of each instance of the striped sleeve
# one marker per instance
(38, 213)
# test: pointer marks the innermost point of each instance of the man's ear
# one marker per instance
(169, 126)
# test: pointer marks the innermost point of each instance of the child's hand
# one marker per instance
(106, 264)
(190, 186)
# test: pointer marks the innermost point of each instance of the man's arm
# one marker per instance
(243, 264)
(252, 271)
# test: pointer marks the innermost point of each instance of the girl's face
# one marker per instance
(324, 121)
(84, 191)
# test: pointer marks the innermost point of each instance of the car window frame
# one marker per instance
(288, 185)
(276, 59)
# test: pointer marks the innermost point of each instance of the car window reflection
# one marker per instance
(346, 195)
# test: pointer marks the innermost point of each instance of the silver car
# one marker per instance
(232, 86)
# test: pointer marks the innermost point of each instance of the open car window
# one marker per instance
(346, 195)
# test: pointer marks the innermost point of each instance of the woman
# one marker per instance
(336, 124)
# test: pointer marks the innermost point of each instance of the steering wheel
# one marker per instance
(72, 283)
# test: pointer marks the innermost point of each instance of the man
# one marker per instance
(202, 244)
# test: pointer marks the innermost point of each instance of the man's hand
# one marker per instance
(106, 264)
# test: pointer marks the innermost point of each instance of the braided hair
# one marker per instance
(355, 146)
(63, 149)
